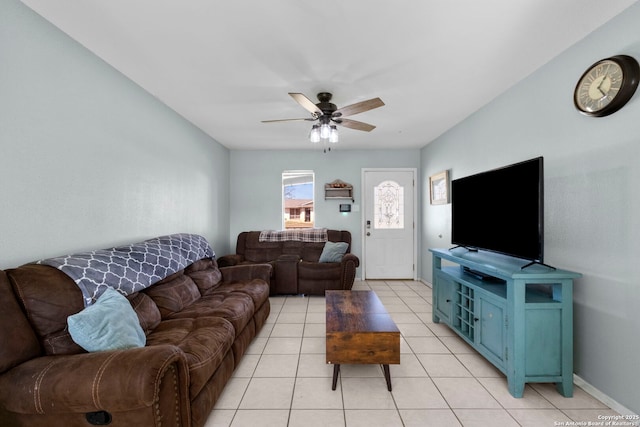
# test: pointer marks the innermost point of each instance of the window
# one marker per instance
(297, 199)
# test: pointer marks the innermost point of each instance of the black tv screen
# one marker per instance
(501, 210)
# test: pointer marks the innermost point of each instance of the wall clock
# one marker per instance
(607, 86)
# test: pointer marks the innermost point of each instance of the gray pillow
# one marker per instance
(333, 251)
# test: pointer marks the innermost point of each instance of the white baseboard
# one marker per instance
(601, 396)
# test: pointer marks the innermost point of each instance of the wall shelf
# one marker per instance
(338, 190)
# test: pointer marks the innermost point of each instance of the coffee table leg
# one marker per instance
(387, 376)
(336, 370)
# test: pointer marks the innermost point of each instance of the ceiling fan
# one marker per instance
(327, 113)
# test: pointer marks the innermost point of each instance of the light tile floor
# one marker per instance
(283, 380)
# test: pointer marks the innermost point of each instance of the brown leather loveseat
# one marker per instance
(295, 256)
(197, 321)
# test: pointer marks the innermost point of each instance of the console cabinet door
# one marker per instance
(444, 293)
(491, 328)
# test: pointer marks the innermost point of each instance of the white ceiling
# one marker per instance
(227, 65)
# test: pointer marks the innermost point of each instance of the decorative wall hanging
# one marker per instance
(439, 188)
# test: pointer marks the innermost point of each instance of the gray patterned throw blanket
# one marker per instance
(299, 234)
(133, 267)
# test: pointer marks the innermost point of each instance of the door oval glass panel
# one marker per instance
(388, 199)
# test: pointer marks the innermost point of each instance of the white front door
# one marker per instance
(389, 229)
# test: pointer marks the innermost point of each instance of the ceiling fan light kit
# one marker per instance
(333, 134)
(329, 116)
(314, 135)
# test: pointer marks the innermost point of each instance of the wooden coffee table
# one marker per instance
(360, 331)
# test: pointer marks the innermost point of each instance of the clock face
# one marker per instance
(606, 86)
(599, 86)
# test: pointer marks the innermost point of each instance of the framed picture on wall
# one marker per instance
(439, 188)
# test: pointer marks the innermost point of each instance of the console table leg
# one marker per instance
(387, 376)
(516, 387)
(336, 370)
(565, 387)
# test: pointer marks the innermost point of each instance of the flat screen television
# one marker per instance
(501, 210)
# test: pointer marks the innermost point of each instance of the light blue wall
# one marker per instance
(89, 159)
(592, 201)
(256, 180)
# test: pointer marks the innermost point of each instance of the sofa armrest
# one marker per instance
(349, 264)
(112, 381)
(351, 258)
(246, 272)
(229, 260)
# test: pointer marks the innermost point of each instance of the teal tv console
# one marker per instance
(521, 320)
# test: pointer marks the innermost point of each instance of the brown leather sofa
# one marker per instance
(296, 266)
(198, 324)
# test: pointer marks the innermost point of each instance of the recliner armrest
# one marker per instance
(349, 264)
(87, 382)
(246, 272)
(229, 260)
(350, 258)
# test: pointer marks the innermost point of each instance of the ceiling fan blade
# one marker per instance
(307, 104)
(358, 107)
(308, 119)
(354, 124)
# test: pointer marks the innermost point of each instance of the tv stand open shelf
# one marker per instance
(519, 320)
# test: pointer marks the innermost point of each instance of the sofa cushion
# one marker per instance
(47, 307)
(205, 342)
(147, 311)
(236, 307)
(314, 278)
(292, 247)
(108, 324)
(205, 273)
(319, 271)
(256, 289)
(19, 343)
(256, 251)
(333, 251)
(174, 293)
(311, 252)
(60, 343)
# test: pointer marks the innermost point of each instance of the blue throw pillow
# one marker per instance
(108, 324)
(333, 251)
